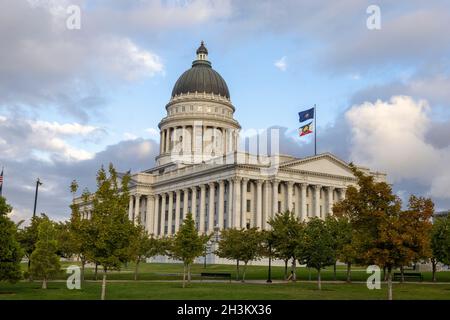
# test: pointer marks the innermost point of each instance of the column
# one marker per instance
(266, 208)
(169, 214)
(244, 203)
(168, 140)
(212, 191)
(275, 184)
(202, 212)
(330, 200)
(290, 186)
(230, 204)
(342, 193)
(177, 210)
(163, 214)
(303, 214)
(297, 201)
(185, 202)
(221, 203)
(317, 200)
(137, 207)
(259, 204)
(150, 213)
(155, 225)
(237, 203)
(130, 208)
(194, 203)
(161, 141)
(193, 144)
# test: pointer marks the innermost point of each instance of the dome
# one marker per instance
(201, 78)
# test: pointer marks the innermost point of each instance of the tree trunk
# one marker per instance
(96, 268)
(245, 269)
(83, 262)
(402, 272)
(349, 270)
(136, 269)
(319, 280)
(184, 275)
(285, 268)
(334, 271)
(44, 283)
(237, 270)
(384, 274)
(434, 265)
(104, 285)
(389, 283)
(189, 273)
(294, 270)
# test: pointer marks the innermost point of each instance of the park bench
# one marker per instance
(408, 276)
(216, 275)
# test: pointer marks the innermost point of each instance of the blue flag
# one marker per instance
(306, 115)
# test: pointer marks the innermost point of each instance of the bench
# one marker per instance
(408, 276)
(215, 275)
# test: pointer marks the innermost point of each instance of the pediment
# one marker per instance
(324, 163)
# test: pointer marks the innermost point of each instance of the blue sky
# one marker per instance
(71, 100)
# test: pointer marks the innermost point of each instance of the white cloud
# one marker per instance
(281, 63)
(154, 133)
(390, 136)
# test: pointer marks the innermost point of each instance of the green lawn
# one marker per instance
(204, 291)
(236, 290)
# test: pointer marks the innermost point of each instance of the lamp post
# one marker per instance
(38, 183)
(269, 278)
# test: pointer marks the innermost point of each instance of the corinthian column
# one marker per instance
(330, 200)
(177, 210)
(163, 214)
(170, 213)
(290, 186)
(137, 208)
(266, 208)
(259, 204)
(275, 184)
(156, 225)
(202, 209)
(185, 202)
(221, 203)
(317, 200)
(194, 203)
(150, 213)
(230, 204)
(304, 214)
(212, 193)
(244, 202)
(237, 203)
(130, 209)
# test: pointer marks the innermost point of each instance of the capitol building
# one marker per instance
(203, 169)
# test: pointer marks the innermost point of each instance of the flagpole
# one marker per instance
(315, 130)
(1, 186)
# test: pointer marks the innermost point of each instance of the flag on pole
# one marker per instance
(306, 115)
(304, 130)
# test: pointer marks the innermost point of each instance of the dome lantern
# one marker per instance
(202, 52)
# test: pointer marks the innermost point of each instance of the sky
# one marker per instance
(74, 99)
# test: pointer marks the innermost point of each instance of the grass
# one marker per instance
(206, 291)
(302, 290)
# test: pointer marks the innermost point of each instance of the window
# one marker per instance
(279, 188)
(307, 210)
(279, 206)
(307, 191)
(249, 205)
(249, 187)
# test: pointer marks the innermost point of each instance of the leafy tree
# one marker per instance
(229, 246)
(317, 249)
(10, 250)
(28, 238)
(187, 245)
(142, 246)
(44, 260)
(342, 234)
(383, 232)
(286, 239)
(109, 225)
(440, 242)
(250, 247)
(66, 245)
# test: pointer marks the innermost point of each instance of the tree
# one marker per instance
(286, 237)
(342, 234)
(383, 233)
(440, 242)
(250, 247)
(28, 238)
(44, 260)
(142, 246)
(317, 250)
(110, 226)
(229, 246)
(187, 245)
(10, 250)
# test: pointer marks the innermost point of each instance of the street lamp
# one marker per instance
(38, 183)
(269, 278)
